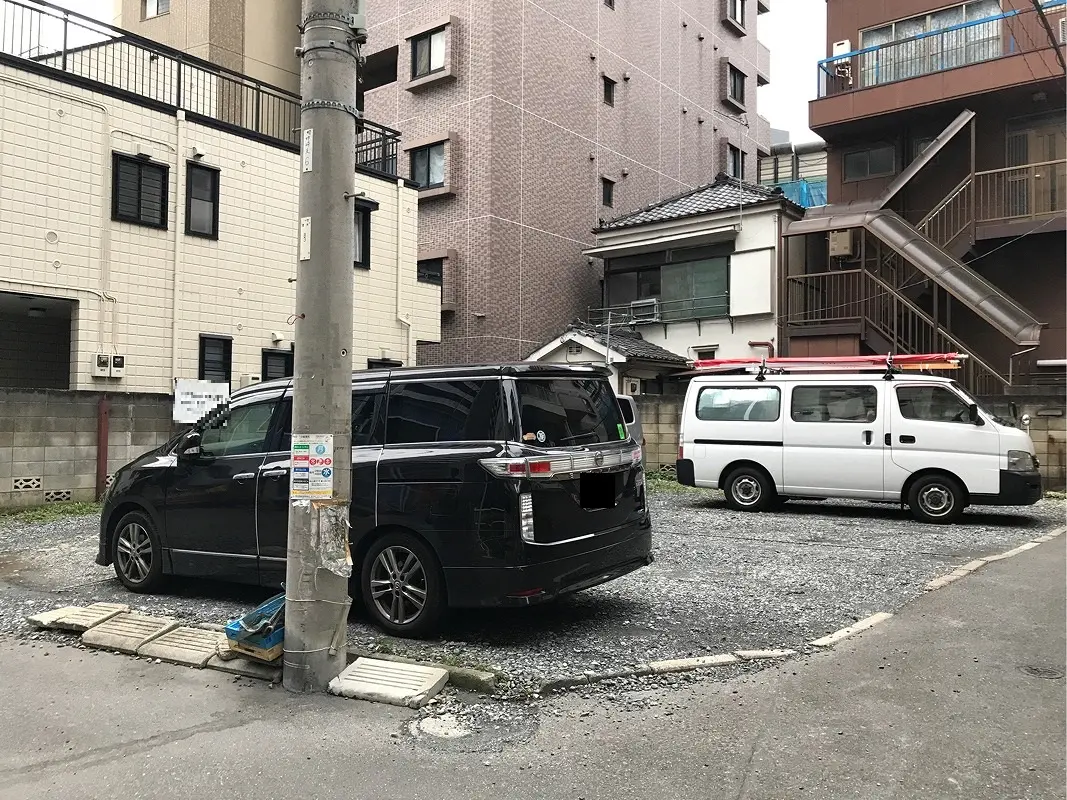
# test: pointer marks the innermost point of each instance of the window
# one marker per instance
(736, 87)
(139, 191)
(697, 289)
(932, 404)
(155, 8)
(428, 165)
(431, 270)
(366, 417)
(444, 411)
(610, 4)
(736, 10)
(735, 404)
(383, 363)
(835, 404)
(704, 353)
(874, 162)
(277, 364)
(215, 355)
(735, 162)
(561, 412)
(607, 192)
(919, 146)
(241, 431)
(627, 408)
(575, 348)
(361, 221)
(202, 201)
(428, 53)
(609, 90)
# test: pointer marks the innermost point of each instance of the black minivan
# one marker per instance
(478, 486)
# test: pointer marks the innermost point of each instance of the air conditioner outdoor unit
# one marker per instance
(840, 244)
(645, 310)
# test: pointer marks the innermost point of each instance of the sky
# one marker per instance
(794, 30)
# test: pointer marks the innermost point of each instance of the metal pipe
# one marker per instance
(103, 427)
(768, 345)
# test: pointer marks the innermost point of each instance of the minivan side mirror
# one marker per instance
(972, 414)
(189, 449)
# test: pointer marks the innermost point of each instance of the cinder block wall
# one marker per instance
(661, 417)
(48, 441)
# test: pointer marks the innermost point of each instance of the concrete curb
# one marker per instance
(864, 624)
(971, 566)
(475, 680)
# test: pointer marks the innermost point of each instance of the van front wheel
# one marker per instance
(936, 498)
(748, 489)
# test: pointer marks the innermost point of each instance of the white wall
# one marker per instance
(57, 239)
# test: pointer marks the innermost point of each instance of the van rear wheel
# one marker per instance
(938, 499)
(748, 489)
(403, 588)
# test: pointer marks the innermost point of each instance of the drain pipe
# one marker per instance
(103, 419)
(768, 345)
(405, 320)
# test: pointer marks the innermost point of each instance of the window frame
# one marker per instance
(964, 420)
(821, 387)
(735, 10)
(437, 280)
(227, 342)
(607, 192)
(427, 148)
(608, 90)
(846, 178)
(427, 37)
(735, 171)
(216, 191)
(145, 5)
(738, 387)
(361, 222)
(267, 353)
(732, 73)
(141, 162)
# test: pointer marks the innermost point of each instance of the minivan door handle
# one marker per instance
(244, 476)
(275, 473)
(907, 440)
(867, 437)
(888, 440)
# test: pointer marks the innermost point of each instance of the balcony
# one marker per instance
(973, 57)
(41, 37)
(653, 310)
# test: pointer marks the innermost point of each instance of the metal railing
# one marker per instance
(1028, 192)
(858, 296)
(49, 36)
(951, 218)
(1010, 33)
(655, 310)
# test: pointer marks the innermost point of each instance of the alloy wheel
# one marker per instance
(398, 585)
(134, 553)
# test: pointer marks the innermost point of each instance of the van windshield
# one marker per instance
(567, 412)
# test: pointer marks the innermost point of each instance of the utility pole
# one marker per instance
(318, 559)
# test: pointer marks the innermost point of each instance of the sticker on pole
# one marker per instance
(312, 471)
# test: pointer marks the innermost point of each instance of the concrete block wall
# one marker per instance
(48, 441)
(661, 417)
(1048, 430)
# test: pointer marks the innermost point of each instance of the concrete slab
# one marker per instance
(410, 685)
(127, 632)
(863, 624)
(46, 619)
(247, 668)
(686, 664)
(188, 646)
(89, 617)
(755, 655)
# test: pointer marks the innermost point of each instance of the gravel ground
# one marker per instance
(722, 581)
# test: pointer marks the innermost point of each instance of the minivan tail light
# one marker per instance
(540, 467)
(526, 517)
(561, 463)
(681, 452)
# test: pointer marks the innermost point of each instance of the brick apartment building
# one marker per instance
(525, 123)
(947, 184)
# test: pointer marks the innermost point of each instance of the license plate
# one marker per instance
(598, 490)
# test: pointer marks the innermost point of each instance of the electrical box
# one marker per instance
(101, 365)
(118, 366)
(249, 378)
(840, 244)
(632, 386)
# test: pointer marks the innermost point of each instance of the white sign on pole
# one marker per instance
(194, 399)
(305, 238)
(312, 465)
(307, 151)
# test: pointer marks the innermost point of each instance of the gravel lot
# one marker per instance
(722, 581)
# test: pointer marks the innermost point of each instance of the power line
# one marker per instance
(1048, 30)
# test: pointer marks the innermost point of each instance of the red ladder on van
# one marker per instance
(909, 361)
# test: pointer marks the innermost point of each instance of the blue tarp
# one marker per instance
(805, 193)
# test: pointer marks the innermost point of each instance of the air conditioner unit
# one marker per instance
(645, 310)
(249, 379)
(632, 386)
(840, 244)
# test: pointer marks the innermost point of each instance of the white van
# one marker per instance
(911, 439)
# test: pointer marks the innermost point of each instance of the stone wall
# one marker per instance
(1048, 430)
(48, 440)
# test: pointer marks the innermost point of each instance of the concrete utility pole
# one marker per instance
(318, 559)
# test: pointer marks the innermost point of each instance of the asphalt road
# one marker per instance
(722, 581)
(960, 695)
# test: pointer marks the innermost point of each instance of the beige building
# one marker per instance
(142, 243)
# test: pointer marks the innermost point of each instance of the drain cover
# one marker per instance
(1034, 671)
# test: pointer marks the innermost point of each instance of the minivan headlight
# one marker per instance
(1021, 461)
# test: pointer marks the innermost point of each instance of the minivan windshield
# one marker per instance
(568, 412)
(985, 409)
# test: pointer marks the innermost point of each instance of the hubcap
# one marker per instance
(747, 490)
(398, 585)
(134, 553)
(935, 500)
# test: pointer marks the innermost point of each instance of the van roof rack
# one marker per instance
(890, 363)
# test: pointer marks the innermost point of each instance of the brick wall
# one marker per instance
(48, 441)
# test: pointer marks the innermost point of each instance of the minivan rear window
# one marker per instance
(567, 412)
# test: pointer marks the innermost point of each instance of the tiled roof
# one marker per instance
(724, 194)
(629, 343)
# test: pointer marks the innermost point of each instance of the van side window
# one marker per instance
(445, 411)
(366, 419)
(835, 404)
(737, 404)
(242, 432)
(627, 411)
(931, 404)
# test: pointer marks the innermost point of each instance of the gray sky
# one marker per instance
(794, 30)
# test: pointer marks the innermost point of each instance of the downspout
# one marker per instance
(103, 418)
(402, 319)
(179, 216)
